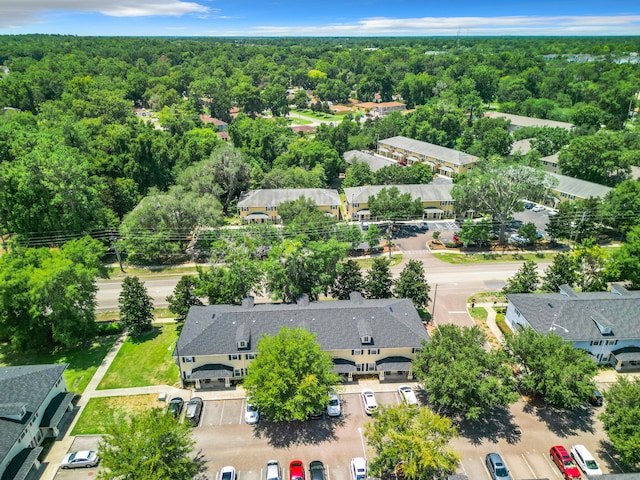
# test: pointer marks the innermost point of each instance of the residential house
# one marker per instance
(550, 163)
(259, 206)
(375, 162)
(519, 121)
(220, 125)
(571, 189)
(442, 160)
(218, 342)
(436, 199)
(33, 401)
(605, 324)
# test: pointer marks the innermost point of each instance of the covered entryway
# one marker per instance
(345, 367)
(391, 365)
(446, 171)
(433, 213)
(257, 218)
(626, 359)
(210, 373)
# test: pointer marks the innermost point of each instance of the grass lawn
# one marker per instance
(299, 121)
(368, 262)
(478, 313)
(316, 115)
(487, 297)
(83, 362)
(459, 258)
(145, 360)
(142, 272)
(100, 412)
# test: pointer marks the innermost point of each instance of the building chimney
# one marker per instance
(247, 302)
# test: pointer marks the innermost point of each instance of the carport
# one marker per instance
(211, 372)
(394, 364)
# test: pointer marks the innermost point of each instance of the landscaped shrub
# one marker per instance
(502, 325)
(108, 328)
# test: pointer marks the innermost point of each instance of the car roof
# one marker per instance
(560, 450)
(359, 463)
(496, 458)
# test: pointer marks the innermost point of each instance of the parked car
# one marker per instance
(251, 414)
(562, 459)
(596, 398)
(585, 460)
(296, 470)
(528, 205)
(175, 407)
(358, 468)
(496, 466)
(518, 239)
(408, 396)
(316, 470)
(228, 473)
(334, 409)
(80, 459)
(538, 208)
(272, 472)
(194, 410)
(369, 401)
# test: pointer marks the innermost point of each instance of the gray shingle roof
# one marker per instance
(429, 192)
(375, 162)
(211, 330)
(583, 314)
(521, 121)
(429, 149)
(579, 188)
(28, 385)
(274, 197)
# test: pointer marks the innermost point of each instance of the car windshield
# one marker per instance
(568, 464)
(592, 464)
(72, 457)
(226, 476)
(501, 472)
(334, 402)
(252, 408)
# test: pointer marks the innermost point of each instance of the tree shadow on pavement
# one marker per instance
(566, 422)
(494, 426)
(296, 433)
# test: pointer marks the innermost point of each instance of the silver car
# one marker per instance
(497, 468)
(333, 409)
(80, 459)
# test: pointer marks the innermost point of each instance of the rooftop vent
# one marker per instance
(355, 297)
(303, 300)
(248, 302)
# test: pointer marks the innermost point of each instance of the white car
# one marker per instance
(408, 396)
(369, 401)
(358, 468)
(228, 473)
(251, 414)
(585, 460)
(333, 409)
(80, 459)
(538, 208)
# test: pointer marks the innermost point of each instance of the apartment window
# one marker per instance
(596, 342)
(234, 357)
(250, 356)
(356, 204)
(374, 351)
(245, 209)
(611, 342)
(334, 207)
(269, 209)
(188, 359)
(416, 350)
(356, 352)
(238, 372)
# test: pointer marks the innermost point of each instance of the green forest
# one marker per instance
(103, 136)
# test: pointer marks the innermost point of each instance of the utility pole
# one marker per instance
(433, 307)
(114, 240)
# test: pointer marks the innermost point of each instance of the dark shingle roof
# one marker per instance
(275, 196)
(375, 162)
(211, 330)
(430, 150)
(28, 385)
(426, 192)
(585, 316)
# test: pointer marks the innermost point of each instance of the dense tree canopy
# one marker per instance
(290, 378)
(552, 368)
(621, 417)
(460, 375)
(415, 438)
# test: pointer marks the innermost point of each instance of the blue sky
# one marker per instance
(320, 18)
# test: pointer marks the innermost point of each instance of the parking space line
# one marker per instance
(221, 412)
(614, 461)
(463, 469)
(242, 409)
(554, 468)
(528, 466)
(485, 470)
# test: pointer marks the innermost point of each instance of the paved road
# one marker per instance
(451, 284)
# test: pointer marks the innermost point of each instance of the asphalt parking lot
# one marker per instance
(222, 438)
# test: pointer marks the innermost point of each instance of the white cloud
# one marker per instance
(508, 25)
(23, 12)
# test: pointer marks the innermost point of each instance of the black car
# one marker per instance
(596, 398)
(316, 470)
(175, 407)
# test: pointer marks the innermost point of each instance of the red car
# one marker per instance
(564, 462)
(296, 470)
